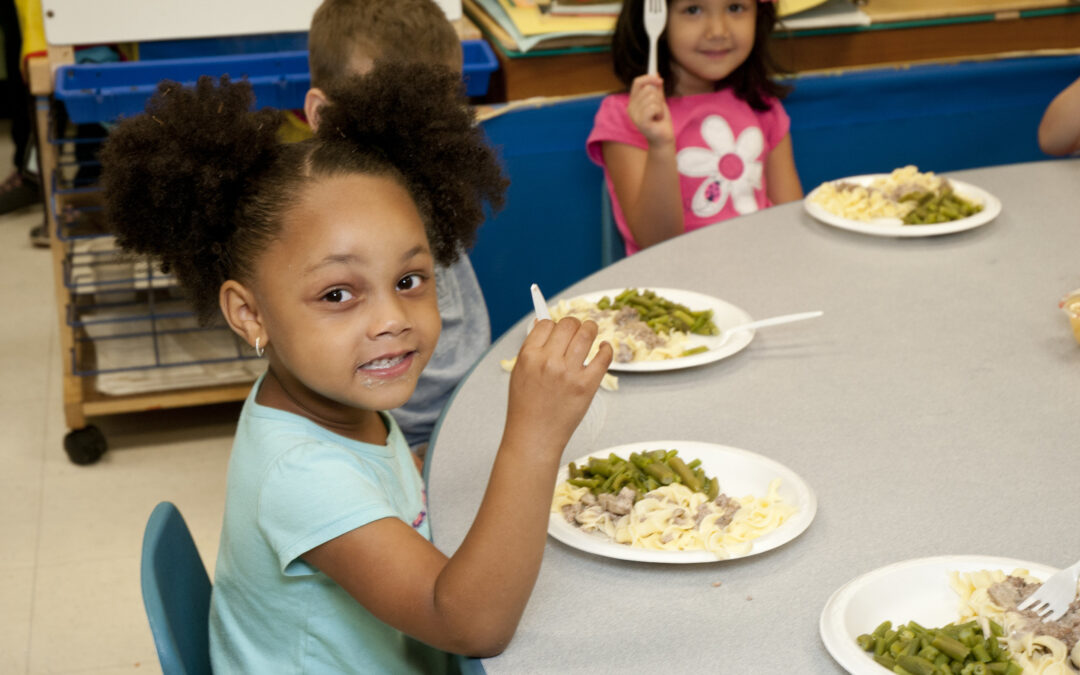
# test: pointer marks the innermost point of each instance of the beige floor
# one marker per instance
(70, 536)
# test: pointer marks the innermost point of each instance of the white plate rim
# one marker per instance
(892, 227)
(791, 483)
(720, 347)
(842, 646)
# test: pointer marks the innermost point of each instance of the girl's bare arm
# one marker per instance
(1059, 130)
(781, 179)
(646, 182)
(471, 603)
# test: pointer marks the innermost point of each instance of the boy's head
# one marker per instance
(348, 36)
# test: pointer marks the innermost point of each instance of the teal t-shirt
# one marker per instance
(293, 485)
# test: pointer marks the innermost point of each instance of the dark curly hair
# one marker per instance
(752, 81)
(202, 183)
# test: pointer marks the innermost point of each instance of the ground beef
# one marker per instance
(620, 504)
(1012, 591)
(631, 325)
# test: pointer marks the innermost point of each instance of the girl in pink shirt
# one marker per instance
(704, 140)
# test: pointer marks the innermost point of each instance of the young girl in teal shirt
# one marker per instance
(321, 256)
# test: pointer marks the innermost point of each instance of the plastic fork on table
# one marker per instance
(1051, 600)
(655, 21)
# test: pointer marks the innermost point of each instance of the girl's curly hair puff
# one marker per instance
(203, 184)
(414, 118)
(174, 177)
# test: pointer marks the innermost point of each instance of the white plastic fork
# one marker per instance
(1051, 600)
(593, 421)
(655, 21)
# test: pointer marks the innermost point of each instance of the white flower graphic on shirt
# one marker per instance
(729, 165)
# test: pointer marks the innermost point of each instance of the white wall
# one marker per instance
(103, 21)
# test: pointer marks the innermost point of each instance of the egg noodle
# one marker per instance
(630, 342)
(879, 199)
(675, 518)
(1036, 654)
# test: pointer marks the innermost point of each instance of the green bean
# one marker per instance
(886, 661)
(979, 651)
(950, 650)
(685, 474)
(714, 489)
(916, 665)
(600, 466)
(882, 629)
(661, 472)
(643, 472)
(954, 648)
(696, 350)
(660, 314)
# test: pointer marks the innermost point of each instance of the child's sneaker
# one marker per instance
(39, 236)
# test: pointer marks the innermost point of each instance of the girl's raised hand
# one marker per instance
(648, 110)
(550, 387)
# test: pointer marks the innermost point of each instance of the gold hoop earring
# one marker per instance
(258, 350)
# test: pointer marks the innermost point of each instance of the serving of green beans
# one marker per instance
(643, 472)
(938, 207)
(955, 649)
(662, 315)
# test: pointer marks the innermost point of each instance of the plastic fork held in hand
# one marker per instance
(1051, 600)
(655, 20)
(539, 304)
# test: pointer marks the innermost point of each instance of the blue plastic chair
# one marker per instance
(176, 593)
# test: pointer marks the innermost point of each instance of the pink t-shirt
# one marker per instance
(721, 144)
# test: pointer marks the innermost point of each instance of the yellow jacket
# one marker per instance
(33, 31)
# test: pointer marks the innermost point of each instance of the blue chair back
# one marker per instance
(549, 233)
(940, 117)
(176, 593)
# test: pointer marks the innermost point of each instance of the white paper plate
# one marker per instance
(913, 590)
(740, 473)
(725, 315)
(894, 227)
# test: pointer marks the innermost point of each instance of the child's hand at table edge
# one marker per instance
(550, 388)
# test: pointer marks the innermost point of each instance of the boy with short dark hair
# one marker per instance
(346, 38)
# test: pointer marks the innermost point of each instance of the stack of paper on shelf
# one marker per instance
(524, 25)
(811, 14)
(584, 7)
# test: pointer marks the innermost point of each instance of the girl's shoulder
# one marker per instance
(613, 105)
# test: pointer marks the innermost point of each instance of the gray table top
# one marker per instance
(934, 409)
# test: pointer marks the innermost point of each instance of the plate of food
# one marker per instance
(961, 605)
(904, 203)
(659, 329)
(678, 502)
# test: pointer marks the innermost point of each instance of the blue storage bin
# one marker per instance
(103, 92)
(480, 63)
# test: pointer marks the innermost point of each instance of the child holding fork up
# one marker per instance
(703, 139)
(321, 255)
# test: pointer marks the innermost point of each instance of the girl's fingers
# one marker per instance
(539, 334)
(601, 362)
(561, 335)
(578, 349)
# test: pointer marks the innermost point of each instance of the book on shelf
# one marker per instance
(584, 7)
(516, 28)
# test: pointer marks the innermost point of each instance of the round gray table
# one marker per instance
(934, 409)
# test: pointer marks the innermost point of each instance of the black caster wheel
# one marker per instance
(85, 446)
